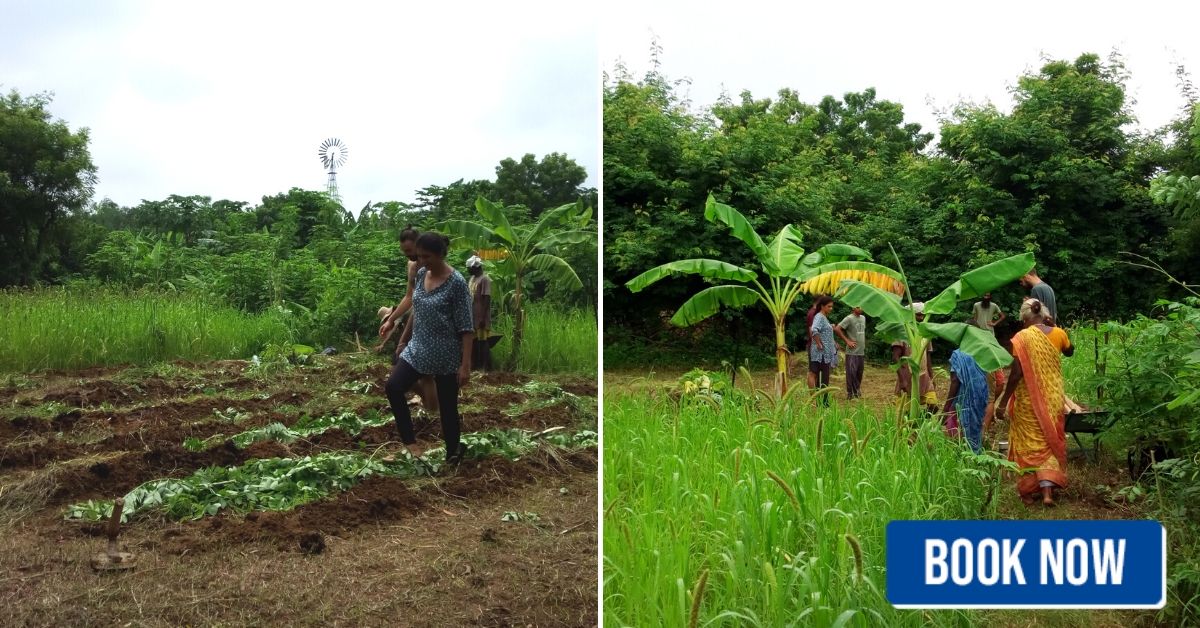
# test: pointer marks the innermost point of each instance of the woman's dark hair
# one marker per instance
(435, 243)
(409, 234)
(822, 300)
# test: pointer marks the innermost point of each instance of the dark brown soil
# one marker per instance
(376, 500)
(457, 553)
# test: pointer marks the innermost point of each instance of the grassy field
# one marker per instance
(782, 513)
(60, 329)
(556, 340)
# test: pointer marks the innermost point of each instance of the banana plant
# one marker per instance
(530, 248)
(784, 272)
(899, 320)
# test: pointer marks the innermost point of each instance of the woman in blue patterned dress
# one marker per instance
(437, 341)
(969, 396)
(822, 355)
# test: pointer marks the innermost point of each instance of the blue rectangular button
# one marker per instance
(1027, 564)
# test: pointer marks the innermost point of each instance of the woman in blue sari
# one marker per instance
(969, 396)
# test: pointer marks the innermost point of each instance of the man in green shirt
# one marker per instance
(983, 314)
(854, 326)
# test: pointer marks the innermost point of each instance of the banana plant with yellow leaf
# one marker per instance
(897, 320)
(785, 271)
(525, 249)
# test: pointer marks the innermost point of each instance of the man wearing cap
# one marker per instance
(481, 312)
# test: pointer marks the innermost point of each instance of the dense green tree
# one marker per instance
(826, 169)
(456, 201)
(552, 182)
(46, 172)
(1061, 175)
(1070, 180)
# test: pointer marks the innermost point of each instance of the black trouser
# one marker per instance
(481, 355)
(403, 377)
(822, 371)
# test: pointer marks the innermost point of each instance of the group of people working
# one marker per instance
(1032, 395)
(448, 332)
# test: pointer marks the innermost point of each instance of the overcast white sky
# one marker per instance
(911, 52)
(232, 99)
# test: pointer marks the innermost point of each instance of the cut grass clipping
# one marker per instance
(348, 422)
(284, 483)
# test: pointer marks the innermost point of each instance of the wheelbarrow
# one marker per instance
(1087, 422)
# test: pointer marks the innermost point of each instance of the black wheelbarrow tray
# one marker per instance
(1087, 422)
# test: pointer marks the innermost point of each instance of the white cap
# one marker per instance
(918, 307)
(474, 260)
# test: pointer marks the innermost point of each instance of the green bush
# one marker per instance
(1151, 379)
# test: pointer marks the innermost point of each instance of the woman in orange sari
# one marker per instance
(1034, 397)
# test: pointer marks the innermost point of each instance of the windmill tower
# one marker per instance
(333, 154)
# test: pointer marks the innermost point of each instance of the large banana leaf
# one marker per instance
(889, 331)
(475, 234)
(974, 341)
(825, 279)
(719, 212)
(556, 269)
(976, 283)
(709, 268)
(784, 249)
(831, 253)
(554, 240)
(552, 218)
(876, 303)
(708, 301)
(494, 213)
(583, 217)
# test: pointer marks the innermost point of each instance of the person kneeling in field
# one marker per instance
(969, 397)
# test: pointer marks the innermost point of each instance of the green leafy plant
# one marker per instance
(698, 384)
(897, 320)
(784, 273)
(530, 248)
(279, 357)
(284, 483)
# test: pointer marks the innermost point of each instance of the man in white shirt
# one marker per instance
(984, 313)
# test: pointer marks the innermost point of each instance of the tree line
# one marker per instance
(1063, 175)
(297, 249)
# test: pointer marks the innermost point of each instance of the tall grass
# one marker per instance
(557, 340)
(784, 511)
(56, 328)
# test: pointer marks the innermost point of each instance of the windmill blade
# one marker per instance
(332, 153)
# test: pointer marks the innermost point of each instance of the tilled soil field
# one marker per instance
(491, 542)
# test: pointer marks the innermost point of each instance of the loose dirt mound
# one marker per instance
(115, 393)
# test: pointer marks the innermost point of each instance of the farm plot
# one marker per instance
(240, 484)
